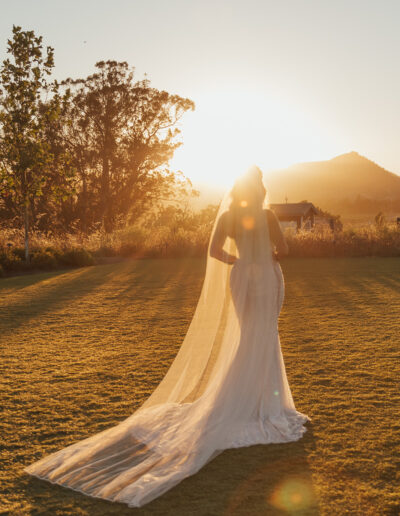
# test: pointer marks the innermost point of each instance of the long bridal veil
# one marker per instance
(227, 386)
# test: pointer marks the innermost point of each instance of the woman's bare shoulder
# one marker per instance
(225, 217)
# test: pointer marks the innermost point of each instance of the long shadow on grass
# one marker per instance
(61, 289)
(16, 283)
(261, 480)
(390, 282)
(67, 288)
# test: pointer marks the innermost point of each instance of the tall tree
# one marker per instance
(129, 137)
(27, 159)
(59, 188)
(100, 113)
(148, 145)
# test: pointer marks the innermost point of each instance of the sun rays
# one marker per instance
(230, 130)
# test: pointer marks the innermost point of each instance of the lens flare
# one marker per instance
(243, 204)
(292, 495)
(248, 222)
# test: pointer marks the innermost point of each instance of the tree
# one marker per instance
(148, 145)
(27, 159)
(123, 134)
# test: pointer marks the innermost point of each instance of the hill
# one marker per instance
(349, 184)
(342, 181)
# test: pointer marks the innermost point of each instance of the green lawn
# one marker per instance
(81, 349)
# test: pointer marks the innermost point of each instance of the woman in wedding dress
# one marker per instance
(227, 386)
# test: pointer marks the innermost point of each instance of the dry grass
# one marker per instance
(179, 240)
(82, 349)
(366, 240)
(132, 241)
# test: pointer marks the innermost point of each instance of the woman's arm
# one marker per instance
(217, 243)
(276, 235)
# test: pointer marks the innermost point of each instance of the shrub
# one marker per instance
(106, 251)
(129, 250)
(43, 260)
(11, 262)
(20, 252)
(77, 257)
(55, 252)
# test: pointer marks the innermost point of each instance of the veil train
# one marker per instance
(226, 388)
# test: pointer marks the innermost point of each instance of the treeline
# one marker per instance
(364, 206)
(82, 155)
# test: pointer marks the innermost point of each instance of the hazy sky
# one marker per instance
(275, 82)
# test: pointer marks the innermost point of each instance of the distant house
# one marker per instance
(301, 213)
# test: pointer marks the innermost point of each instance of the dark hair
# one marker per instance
(248, 190)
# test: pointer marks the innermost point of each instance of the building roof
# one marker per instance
(293, 209)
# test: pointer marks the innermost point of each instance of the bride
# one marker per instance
(227, 386)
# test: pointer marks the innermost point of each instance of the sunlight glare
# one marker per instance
(230, 131)
(292, 495)
(248, 222)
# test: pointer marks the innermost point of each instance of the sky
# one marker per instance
(274, 82)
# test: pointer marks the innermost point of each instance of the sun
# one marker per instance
(231, 130)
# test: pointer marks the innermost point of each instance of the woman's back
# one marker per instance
(248, 227)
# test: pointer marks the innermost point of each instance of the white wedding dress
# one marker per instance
(226, 388)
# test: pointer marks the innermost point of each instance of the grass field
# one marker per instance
(80, 350)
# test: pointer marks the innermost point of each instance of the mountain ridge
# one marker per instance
(344, 177)
(349, 184)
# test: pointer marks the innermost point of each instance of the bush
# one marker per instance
(43, 260)
(55, 252)
(129, 250)
(20, 252)
(77, 257)
(106, 251)
(11, 262)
